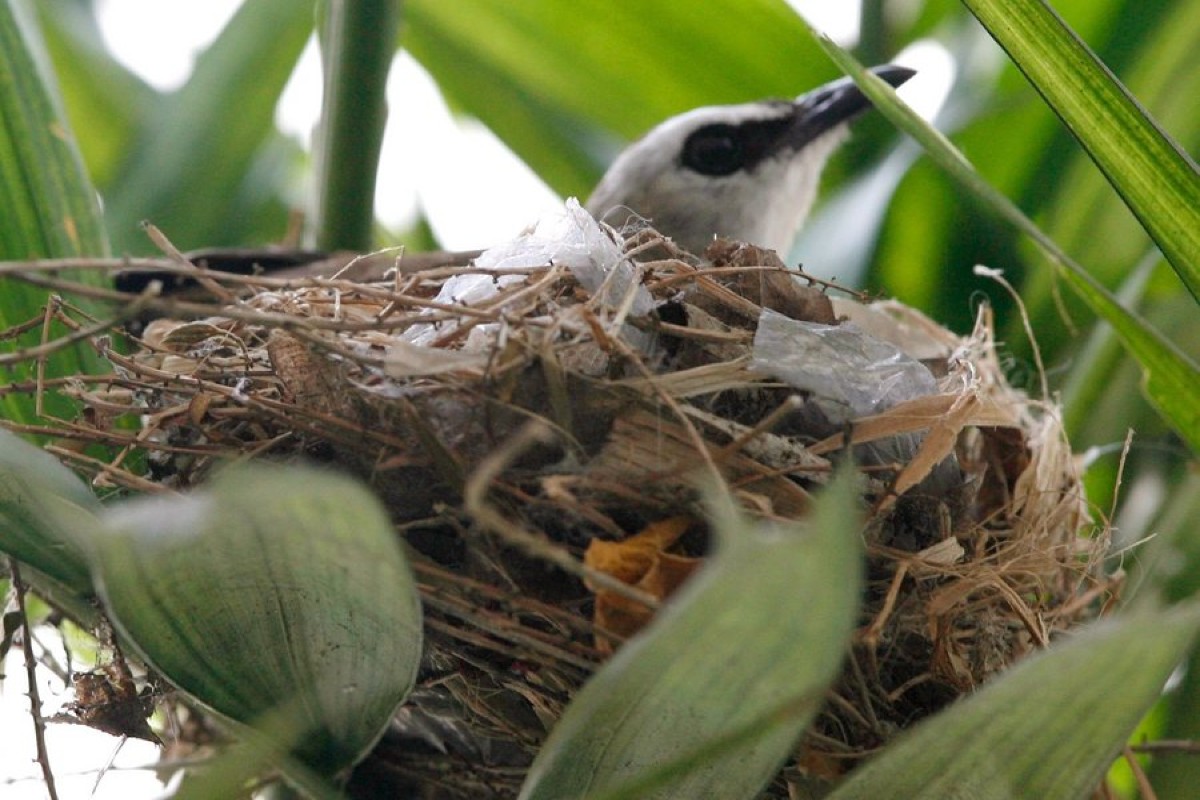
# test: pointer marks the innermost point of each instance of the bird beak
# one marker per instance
(826, 107)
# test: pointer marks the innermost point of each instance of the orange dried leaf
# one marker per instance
(630, 559)
(641, 561)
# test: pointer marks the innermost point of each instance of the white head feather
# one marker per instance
(747, 172)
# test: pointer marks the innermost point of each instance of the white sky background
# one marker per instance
(474, 192)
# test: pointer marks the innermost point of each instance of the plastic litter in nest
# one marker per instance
(539, 423)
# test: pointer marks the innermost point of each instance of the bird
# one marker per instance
(748, 172)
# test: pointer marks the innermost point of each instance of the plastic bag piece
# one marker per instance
(849, 374)
(570, 238)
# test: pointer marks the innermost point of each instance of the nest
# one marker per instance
(571, 392)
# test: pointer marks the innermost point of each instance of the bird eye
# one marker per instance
(714, 150)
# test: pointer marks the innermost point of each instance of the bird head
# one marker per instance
(748, 172)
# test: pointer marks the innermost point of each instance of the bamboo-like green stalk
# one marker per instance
(358, 42)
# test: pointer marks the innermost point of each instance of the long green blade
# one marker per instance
(710, 700)
(1172, 380)
(1156, 178)
(1049, 728)
(45, 511)
(48, 207)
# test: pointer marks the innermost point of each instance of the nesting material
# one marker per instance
(539, 424)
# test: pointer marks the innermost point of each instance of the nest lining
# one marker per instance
(507, 434)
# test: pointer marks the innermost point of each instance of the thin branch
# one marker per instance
(48, 346)
(430, 266)
(184, 308)
(1188, 746)
(35, 700)
(1145, 790)
(201, 275)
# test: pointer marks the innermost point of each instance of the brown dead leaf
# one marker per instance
(772, 285)
(642, 561)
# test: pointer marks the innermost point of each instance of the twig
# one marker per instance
(198, 273)
(184, 308)
(103, 468)
(108, 765)
(111, 438)
(685, 273)
(49, 346)
(35, 700)
(506, 630)
(281, 279)
(998, 276)
(1145, 790)
(1189, 746)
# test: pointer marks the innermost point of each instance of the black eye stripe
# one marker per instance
(723, 149)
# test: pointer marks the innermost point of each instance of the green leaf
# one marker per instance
(1157, 180)
(1170, 572)
(1156, 61)
(1172, 380)
(710, 699)
(279, 598)
(1177, 776)
(101, 95)
(1016, 140)
(196, 151)
(1049, 727)
(50, 207)
(45, 511)
(540, 73)
(1092, 376)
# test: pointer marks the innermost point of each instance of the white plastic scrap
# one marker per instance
(849, 372)
(570, 238)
